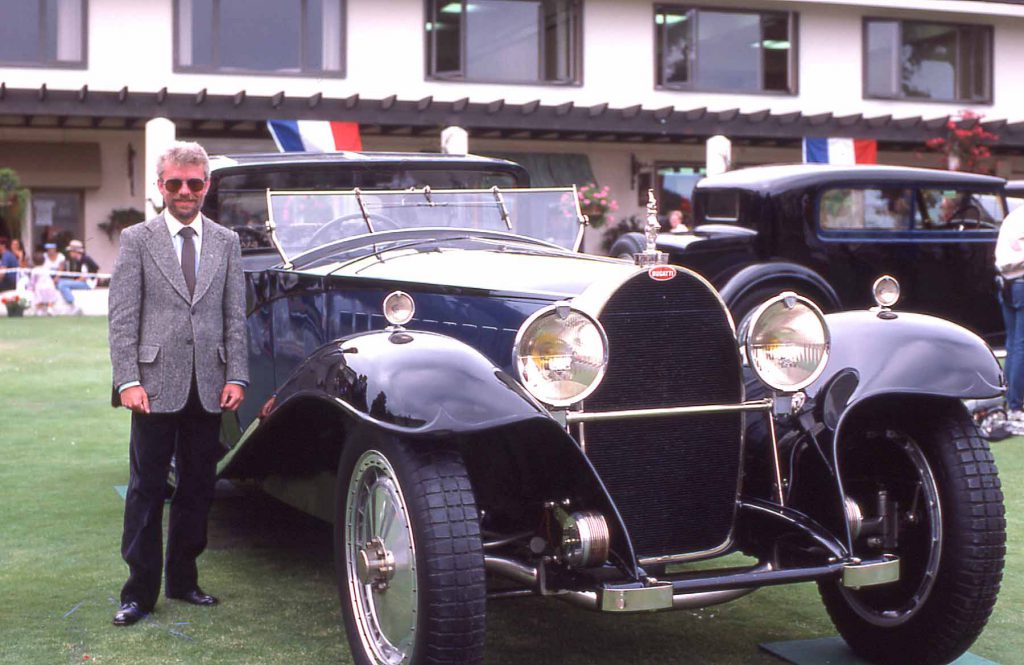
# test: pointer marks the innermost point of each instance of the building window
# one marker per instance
(673, 189)
(725, 51)
(937, 61)
(506, 41)
(57, 216)
(259, 36)
(42, 32)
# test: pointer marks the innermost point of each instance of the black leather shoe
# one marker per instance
(128, 614)
(196, 597)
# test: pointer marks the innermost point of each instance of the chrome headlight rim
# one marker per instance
(886, 291)
(754, 319)
(557, 309)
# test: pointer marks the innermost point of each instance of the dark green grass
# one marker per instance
(63, 449)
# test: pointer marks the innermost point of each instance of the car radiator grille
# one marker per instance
(674, 480)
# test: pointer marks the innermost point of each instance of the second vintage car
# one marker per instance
(827, 232)
(484, 412)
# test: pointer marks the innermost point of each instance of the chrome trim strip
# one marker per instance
(583, 417)
(777, 458)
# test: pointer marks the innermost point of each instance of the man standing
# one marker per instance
(77, 262)
(1010, 265)
(9, 265)
(178, 350)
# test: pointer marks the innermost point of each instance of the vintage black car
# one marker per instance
(827, 232)
(482, 411)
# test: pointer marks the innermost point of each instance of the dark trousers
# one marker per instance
(191, 435)
(1011, 299)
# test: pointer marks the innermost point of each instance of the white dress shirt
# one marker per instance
(174, 227)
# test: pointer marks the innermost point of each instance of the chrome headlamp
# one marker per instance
(561, 355)
(787, 342)
(886, 291)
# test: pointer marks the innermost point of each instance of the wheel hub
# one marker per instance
(375, 564)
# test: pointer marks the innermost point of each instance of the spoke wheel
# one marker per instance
(380, 560)
(408, 553)
(939, 479)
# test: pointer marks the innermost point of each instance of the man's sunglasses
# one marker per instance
(194, 184)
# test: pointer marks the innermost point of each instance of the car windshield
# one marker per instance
(305, 220)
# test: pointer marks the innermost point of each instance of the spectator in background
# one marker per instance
(53, 261)
(77, 262)
(1010, 265)
(19, 252)
(9, 264)
(24, 262)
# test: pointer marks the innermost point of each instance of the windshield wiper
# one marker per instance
(362, 208)
(501, 206)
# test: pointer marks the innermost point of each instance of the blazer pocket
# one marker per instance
(151, 373)
(222, 354)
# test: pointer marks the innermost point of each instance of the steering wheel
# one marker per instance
(251, 237)
(351, 220)
(969, 216)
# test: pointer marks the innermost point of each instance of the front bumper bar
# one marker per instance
(722, 587)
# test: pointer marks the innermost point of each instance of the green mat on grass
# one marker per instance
(833, 651)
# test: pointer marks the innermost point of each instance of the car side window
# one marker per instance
(869, 209)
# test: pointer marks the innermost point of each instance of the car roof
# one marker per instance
(360, 158)
(781, 177)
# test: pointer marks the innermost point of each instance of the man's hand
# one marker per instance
(135, 399)
(231, 396)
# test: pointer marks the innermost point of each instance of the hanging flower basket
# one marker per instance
(597, 205)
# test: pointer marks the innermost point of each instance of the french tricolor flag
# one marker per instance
(840, 151)
(315, 135)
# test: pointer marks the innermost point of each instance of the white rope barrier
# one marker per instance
(58, 273)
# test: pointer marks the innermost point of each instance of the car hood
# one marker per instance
(547, 274)
(677, 242)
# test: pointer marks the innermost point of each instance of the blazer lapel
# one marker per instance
(211, 258)
(161, 248)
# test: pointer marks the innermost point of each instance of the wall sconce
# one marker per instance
(641, 178)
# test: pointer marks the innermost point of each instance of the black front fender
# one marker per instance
(910, 354)
(413, 383)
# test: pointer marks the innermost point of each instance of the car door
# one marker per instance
(864, 232)
(959, 228)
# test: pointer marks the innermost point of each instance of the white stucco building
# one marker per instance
(625, 92)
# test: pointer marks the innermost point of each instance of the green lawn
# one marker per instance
(63, 450)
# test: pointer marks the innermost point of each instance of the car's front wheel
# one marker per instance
(408, 554)
(936, 478)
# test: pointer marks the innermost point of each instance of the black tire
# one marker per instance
(627, 245)
(945, 594)
(430, 607)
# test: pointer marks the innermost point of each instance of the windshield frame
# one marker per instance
(428, 195)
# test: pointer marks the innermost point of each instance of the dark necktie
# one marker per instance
(188, 258)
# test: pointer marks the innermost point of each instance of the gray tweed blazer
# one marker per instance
(158, 335)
